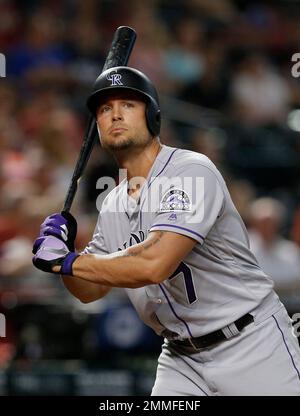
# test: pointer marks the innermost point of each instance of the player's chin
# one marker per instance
(118, 143)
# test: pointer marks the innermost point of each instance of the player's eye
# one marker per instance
(128, 104)
(104, 109)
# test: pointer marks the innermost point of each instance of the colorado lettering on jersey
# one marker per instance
(134, 239)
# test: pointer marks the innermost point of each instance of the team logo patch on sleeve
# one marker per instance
(175, 200)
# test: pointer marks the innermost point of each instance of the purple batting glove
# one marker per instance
(62, 226)
(51, 251)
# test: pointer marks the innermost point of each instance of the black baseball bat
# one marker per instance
(118, 55)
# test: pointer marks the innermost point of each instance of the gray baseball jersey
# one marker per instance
(219, 280)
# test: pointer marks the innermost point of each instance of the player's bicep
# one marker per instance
(165, 250)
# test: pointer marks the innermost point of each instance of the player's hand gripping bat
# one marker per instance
(118, 55)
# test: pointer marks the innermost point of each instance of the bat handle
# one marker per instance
(70, 196)
(86, 150)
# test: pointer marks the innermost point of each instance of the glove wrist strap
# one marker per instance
(66, 267)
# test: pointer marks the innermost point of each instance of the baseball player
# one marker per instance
(170, 235)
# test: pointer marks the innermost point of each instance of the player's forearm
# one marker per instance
(143, 264)
(84, 291)
(123, 269)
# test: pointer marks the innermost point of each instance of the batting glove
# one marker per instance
(62, 226)
(51, 251)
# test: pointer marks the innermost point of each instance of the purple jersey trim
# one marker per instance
(294, 365)
(167, 162)
(173, 310)
(181, 228)
(165, 165)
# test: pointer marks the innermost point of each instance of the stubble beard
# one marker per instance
(127, 143)
(121, 145)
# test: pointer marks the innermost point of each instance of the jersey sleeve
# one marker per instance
(97, 244)
(190, 203)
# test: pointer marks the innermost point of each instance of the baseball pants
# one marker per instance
(262, 360)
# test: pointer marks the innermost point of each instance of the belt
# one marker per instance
(217, 336)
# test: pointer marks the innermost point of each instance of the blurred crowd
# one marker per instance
(223, 71)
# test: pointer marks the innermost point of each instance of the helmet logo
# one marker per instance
(115, 79)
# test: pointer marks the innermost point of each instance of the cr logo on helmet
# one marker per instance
(115, 79)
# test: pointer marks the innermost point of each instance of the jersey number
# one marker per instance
(188, 281)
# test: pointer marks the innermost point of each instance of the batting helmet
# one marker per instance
(123, 77)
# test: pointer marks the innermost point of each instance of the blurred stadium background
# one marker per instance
(223, 70)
